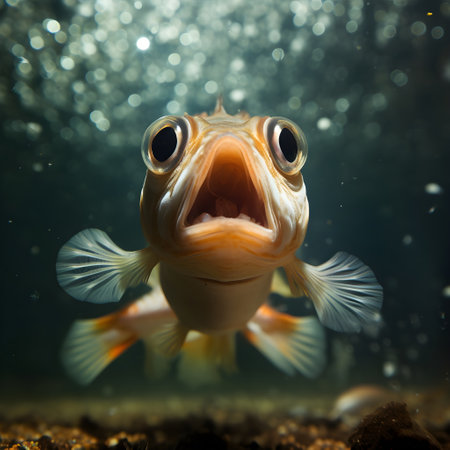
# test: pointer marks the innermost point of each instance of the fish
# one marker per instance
(224, 211)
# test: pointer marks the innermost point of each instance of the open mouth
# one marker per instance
(228, 191)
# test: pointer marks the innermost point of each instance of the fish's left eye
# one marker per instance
(164, 142)
(287, 144)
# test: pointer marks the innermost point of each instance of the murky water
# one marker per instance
(368, 82)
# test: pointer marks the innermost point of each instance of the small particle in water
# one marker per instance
(24, 66)
(37, 167)
(389, 369)
(399, 78)
(351, 26)
(446, 291)
(237, 95)
(318, 28)
(37, 42)
(35, 250)
(323, 123)
(372, 130)
(181, 89)
(34, 129)
(173, 107)
(407, 239)
(342, 104)
(294, 102)
(174, 59)
(422, 338)
(432, 210)
(418, 28)
(433, 188)
(278, 54)
(134, 100)
(437, 32)
(67, 63)
(143, 43)
(34, 296)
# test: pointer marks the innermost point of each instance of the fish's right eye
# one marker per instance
(164, 142)
(287, 143)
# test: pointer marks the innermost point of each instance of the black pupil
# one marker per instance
(288, 144)
(164, 144)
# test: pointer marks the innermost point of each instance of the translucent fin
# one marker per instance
(91, 345)
(203, 356)
(90, 267)
(280, 286)
(153, 280)
(344, 291)
(169, 338)
(291, 343)
(156, 364)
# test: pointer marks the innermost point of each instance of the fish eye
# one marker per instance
(164, 142)
(287, 144)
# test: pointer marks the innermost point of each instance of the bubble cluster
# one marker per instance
(129, 58)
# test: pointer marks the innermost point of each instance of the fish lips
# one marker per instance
(227, 192)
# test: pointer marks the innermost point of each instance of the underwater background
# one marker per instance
(367, 81)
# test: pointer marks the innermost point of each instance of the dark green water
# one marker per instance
(368, 82)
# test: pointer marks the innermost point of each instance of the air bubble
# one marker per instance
(237, 95)
(418, 28)
(143, 43)
(399, 78)
(433, 189)
(211, 87)
(323, 123)
(52, 26)
(278, 54)
(134, 100)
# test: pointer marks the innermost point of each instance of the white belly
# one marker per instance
(210, 306)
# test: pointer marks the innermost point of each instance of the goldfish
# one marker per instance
(224, 210)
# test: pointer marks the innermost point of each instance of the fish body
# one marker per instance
(223, 206)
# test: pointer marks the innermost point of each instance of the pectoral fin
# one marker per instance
(90, 267)
(344, 291)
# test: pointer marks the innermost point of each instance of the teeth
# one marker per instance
(205, 217)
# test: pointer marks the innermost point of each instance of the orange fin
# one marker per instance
(91, 345)
(291, 343)
(344, 291)
(203, 356)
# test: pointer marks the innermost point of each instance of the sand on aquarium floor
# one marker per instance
(231, 420)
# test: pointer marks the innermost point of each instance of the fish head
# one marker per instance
(223, 197)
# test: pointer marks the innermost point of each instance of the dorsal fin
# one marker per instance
(219, 109)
